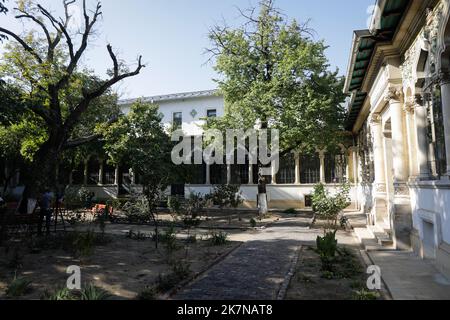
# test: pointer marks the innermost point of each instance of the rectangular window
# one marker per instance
(310, 169)
(335, 168)
(177, 120)
(211, 113)
(286, 173)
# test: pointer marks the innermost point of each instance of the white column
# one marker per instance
(322, 166)
(411, 139)
(208, 174)
(420, 117)
(250, 174)
(116, 176)
(378, 151)
(401, 172)
(297, 168)
(445, 91)
(228, 174)
(101, 172)
(274, 175)
(86, 172)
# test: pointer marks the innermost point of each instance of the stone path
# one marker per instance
(257, 269)
(411, 278)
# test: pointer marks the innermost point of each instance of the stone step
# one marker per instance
(373, 241)
(357, 220)
(383, 238)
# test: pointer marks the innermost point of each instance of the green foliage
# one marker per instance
(328, 207)
(227, 196)
(85, 196)
(93, 293)
(180, 272)
(327, 247)
(18, 287)
(272, 69)
(169, 238)
(137, 209)
(253, 223)
(219, 238)
(63, 294)
(364, 295)
(138, 236)
(290, 211)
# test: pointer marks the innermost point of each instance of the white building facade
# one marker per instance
(400, 116)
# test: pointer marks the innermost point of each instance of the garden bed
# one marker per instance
(346, 282)
(121, 266)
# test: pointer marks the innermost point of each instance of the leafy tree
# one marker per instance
(46, 67)
(139, 139)
(274, 73)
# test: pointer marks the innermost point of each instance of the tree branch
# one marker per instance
(22, 43)
(81, 141)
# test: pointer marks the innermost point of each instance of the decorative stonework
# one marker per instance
(401, 189)
(393, 95)
(380, 188)
(409, 105)
(375, 119)
(430, 36)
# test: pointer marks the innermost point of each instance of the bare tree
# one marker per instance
(60, 122)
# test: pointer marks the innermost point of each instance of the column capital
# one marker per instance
(410, 105)
(393, 95)
(375, 119)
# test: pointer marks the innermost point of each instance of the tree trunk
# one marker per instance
(263, 205)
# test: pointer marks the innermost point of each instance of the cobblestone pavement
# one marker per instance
(256, 270)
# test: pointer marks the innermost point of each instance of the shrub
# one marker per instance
(169, 238)
(63, 294)
(137, 210)
(227, 196)
(219, 238)
(363, 294)
(326, 248)
(86, 197)
(253, 223)
(94, 293)
(180, 272)
(138, 236)
(18, 287)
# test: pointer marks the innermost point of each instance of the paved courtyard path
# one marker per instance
(258, 268)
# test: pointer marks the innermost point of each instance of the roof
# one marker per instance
(385, 22)
(172, 97)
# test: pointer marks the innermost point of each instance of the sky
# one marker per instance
(172, 35)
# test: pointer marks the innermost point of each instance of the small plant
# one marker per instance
(253, 223)
(86, 197)
(169, 238)
(18, 287)
(304, 279)
(326, 248)
(364, 294)
(148, 294)
(138, 236)
(227, 196)
(93, 293)
(180, 272)
(219, 238)
(59, 295)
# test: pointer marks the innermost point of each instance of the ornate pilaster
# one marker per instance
(420, 119)
(445, 91)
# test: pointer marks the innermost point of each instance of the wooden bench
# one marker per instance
(13, 223)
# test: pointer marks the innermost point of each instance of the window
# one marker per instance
(211, 113)
(335, 168)
(286, 173)
(436, 136)
(218, 174)
(177, 120)
(310, 169)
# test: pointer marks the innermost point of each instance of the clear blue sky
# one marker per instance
(172, 34)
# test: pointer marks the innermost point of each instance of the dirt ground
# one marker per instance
(310, 283)
(123, 267)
